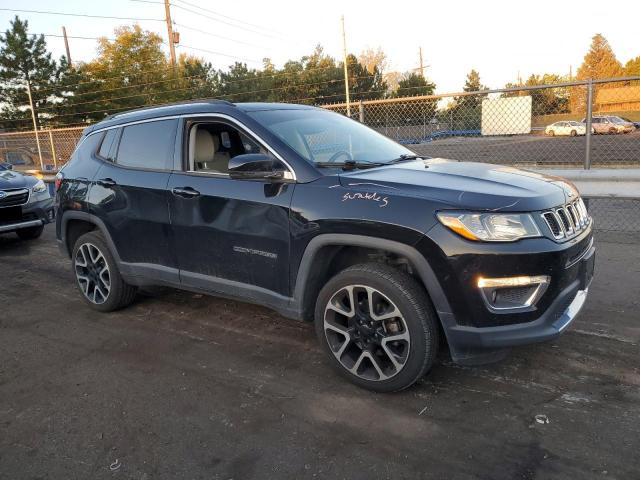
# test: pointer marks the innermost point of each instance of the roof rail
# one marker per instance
(171, 104)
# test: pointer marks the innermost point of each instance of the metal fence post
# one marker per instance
(361, 108)
(53, 151)
(587, 153)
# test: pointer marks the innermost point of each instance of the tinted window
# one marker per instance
(148, 145)
(107, 144)
(321, 136)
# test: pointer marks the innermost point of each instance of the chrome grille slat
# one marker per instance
(567, 221)
(14, 197)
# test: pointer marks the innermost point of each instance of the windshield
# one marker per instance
(616, 120)
(321, 136)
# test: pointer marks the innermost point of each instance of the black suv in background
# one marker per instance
(25, 204)
(323, 219)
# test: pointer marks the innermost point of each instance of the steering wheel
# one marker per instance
(339, 154)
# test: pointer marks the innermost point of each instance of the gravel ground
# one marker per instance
(186, 386)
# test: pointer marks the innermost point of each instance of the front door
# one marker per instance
(228, 233)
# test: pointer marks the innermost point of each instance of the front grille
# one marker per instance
(568, 220)
(14, 197)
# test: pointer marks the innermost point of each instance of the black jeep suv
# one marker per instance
(25, 204)
(323, 219)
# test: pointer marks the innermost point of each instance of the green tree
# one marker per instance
(465, 112)
(25, 63)
(545, 100)
(129, 72)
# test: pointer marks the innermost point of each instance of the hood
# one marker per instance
(467, 185)
(10, 179)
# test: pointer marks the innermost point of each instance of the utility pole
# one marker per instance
(35, 124)
(66, 45)
(421, 64)
(346, 72)
(172, 47)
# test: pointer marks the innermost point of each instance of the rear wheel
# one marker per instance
(612, 131)
(378, 327)
(30, 233)
(97, 274)
(573, 133)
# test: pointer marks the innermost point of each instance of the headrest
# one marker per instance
(205, 146)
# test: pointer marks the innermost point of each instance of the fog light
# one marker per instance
(509, 293)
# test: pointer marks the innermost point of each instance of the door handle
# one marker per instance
(185, 192)
(106, 182)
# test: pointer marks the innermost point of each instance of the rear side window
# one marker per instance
(148, 145)
(107, 146)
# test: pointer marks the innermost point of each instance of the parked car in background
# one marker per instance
(25, 204)
(628, 125)
(608, 125)
(635, 123)
(571, 128)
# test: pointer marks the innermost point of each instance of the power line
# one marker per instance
(246, 79)
(252, 60)
(213, 34)
(72, 36)
(225, 22)
(230, 95)
(226, 16)
(194, 87)
(48, 12)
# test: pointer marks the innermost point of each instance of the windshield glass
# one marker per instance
(321, 136)
(616, 119)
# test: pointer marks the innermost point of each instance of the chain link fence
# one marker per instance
(573, 124)
(45, 150)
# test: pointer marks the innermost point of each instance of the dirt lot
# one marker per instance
(185, 386)
(607, 150)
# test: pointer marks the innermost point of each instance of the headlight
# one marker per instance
(491, 227)
(39, 187)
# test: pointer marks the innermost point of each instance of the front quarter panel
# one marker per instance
(325, 206)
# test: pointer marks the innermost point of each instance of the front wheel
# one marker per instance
(378, 327)
(573, 133)
(97, 274)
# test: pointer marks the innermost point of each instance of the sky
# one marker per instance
(500, 39)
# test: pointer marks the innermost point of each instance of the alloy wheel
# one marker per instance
(92, 273)
(366, 332)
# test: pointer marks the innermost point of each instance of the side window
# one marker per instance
(147, 145)
(213, 144)
(106, 147)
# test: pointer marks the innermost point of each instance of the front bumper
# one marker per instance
(31, 215)
(476, 335)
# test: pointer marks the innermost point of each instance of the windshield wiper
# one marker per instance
(405, 157)
(349, 164)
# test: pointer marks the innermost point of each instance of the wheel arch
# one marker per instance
(74, 224)
(309, 280)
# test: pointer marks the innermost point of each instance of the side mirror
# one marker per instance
(255, 166)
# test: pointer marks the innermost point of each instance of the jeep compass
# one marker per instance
(323, 219)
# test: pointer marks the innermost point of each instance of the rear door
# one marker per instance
(227, 231)
(130, 194)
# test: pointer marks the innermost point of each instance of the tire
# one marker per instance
(358, 345)
(552, 133)
(573, 133)
(103, 290)
(30, 233)
(612, 131)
